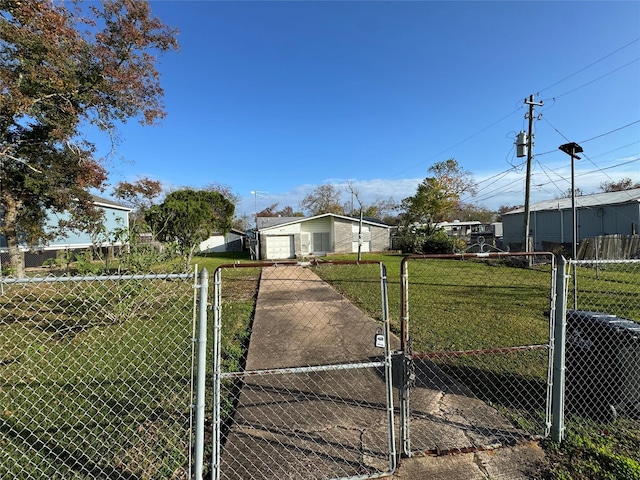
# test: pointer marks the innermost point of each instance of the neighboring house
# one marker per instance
(297, 237)
(232, 241)
(551, 221)
(116, 217)
(459, 229)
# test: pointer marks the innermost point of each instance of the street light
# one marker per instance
(571, 149)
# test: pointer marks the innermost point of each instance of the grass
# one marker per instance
(478, 304)
(85, 394)
(91, 389)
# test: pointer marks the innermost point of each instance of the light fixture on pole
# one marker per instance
(572, 149)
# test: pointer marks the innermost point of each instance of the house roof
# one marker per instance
(105, 202)
(265, 223)
(583, 201)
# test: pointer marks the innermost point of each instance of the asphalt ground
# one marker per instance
(326, 423)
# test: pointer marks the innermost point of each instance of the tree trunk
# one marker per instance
(16, 261)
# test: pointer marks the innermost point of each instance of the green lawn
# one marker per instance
(478, 304)
(95, 380)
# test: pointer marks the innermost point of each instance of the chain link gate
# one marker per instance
(95, 377)
(302, 384)
(476, 335)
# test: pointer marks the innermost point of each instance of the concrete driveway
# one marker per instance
(325, 424)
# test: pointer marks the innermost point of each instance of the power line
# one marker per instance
(596, 79)
(612, 131)
(589, 139)
(459, 143)
(590, 65)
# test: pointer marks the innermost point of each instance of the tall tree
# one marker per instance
(190, 216)
(323, 199)
(380, 209)
(139, 195)
(470, 212)
(438, 197)
(273, 211)
(64, 65)
(225, 190)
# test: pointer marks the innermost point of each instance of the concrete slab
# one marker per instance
(521, 462)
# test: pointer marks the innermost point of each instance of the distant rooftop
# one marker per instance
(593, 200)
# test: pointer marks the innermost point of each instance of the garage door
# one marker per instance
(280, 246)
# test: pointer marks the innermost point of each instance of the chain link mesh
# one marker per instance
(480, 331)
(602, 359)
(95, 377)
(307, 398)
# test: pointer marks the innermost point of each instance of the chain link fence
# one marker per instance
(310, 395)
(477, 332)
(602, 358)
(95, 377)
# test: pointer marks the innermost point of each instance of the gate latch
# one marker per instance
(379, 339)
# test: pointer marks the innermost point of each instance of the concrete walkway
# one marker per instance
(334, 423)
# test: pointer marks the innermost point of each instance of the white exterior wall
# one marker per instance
(213, 244)
(320, 225)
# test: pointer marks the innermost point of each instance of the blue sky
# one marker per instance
(281, 97)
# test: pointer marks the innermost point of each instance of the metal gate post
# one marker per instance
(201, 373)
(217, 367)
(388, 369)
(404, 394)
(559, 342)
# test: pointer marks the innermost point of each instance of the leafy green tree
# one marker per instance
(188, 217)
(63, 66)
(437, 197)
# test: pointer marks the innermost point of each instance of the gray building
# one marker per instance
(298, 237)
(551, 221)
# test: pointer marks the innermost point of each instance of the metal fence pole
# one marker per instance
(559, 341)
(405, 408)
(217, 367)
(201, 374)
(388, 369)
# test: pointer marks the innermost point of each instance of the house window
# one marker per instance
(321, 242)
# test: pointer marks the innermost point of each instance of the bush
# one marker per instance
(440, 242)
(425, 240)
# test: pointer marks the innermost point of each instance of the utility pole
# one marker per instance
(527, 190)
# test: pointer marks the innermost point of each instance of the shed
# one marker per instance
(232, 241)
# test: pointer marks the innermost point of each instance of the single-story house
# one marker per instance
(458, 228)
(116, 217)
(232, 241)
(297, 237)
(551, 221)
